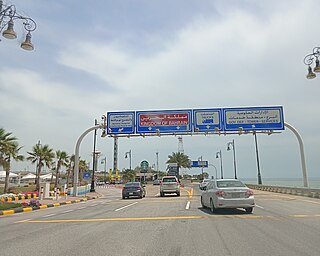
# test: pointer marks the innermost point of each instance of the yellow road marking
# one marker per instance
(169, 218)
(115, 219)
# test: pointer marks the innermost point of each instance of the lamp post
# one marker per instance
(200, 159)
(8, 14)
(126, 156)
(157, 156)
(104, 161)
(234, 156)
(94, 156)
(219, 155)
(309, 59)
(215, 169)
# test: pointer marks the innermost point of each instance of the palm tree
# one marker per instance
(128, 175)
(42, 156)
(82, 168)
(9, 149)
(62, 160)
(180, 159)
(70, 168)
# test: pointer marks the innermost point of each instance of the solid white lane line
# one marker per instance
(49, 215)
(83, 207)
(67, 211)
(93, 205)
(188, 205)
(259, 206)
(125, 206)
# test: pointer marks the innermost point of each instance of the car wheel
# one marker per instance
(249, 210)
(202, 204)
(123, 197)
(212, 208)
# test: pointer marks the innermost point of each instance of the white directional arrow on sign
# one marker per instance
(178, 127)
(149, 128)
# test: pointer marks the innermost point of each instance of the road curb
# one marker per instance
(29, 209)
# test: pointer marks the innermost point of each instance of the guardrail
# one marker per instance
(309, 192)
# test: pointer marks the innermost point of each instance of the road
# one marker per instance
(171, 226)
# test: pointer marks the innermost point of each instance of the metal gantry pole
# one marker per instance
(258, 162)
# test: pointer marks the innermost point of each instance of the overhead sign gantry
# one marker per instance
(195, 121)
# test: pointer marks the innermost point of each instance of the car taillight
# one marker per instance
(220, 193)
(249, 193)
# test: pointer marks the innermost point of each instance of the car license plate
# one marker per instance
(130, 193)
(235, 195)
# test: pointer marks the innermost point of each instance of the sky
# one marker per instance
(94, 57)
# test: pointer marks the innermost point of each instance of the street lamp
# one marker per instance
(8, 14)
(104, 161)
(200, 159)
(94, 156)
(234, 156)
(219, 155)
(126, 156)
(215, 169)
(309, 59)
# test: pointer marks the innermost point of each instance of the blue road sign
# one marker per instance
(207, 120)
(253, 118)
(120, 122)
(86, 175)
(164, 121)
(199, 163)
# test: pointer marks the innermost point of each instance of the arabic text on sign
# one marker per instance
(164, 119)
(253, 117)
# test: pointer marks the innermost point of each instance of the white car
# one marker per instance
(169, 185)
(227, 193)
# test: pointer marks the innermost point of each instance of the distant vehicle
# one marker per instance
(227, 193)
(133, 189)
(204, 183)
(156, 182)
(100, 183)
(169, 185)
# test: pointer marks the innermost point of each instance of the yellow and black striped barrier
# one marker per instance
(29, 209)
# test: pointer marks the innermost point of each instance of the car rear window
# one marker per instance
(229, 184)
(169, 180)
(133, 184)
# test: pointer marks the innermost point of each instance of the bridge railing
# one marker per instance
(309, 192)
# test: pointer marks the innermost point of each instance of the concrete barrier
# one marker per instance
(307, 192)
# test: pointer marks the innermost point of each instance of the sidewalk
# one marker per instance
(46, 203)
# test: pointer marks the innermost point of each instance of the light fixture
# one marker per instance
(309, 59)
(27, 45)
(317, 67)
(310, 74)
(9, 33)
(8, 15)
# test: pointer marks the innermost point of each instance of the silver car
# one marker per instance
(227, 193)
(169, 185)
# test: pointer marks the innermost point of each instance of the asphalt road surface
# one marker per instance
(171, 226)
